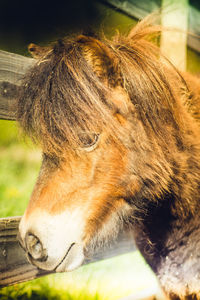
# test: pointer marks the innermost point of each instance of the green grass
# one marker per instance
(19, 167)
(110, 279)
(8, 133)
(18, 171)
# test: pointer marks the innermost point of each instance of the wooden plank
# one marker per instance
(135, 9)
(8, 93)
(140, 9)
(14, 266)
(13, 66)
(12, 69)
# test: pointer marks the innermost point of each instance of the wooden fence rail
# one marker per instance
(140, 9)
(14, 266)
(12, 70)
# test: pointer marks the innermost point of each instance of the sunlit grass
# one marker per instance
(110, 279)
(19, 167)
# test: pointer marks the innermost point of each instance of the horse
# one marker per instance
(120, 135)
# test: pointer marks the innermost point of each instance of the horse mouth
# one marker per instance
(73, 258)
(64, 258)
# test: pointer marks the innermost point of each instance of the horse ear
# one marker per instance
(38, 51)
(101, 58)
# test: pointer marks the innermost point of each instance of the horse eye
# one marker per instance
(88, 141)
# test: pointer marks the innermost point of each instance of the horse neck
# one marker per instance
(172, 249)
(167, 235)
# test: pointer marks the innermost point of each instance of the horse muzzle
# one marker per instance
(52, 242)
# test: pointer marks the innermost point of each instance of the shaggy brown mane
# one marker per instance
(66, 92)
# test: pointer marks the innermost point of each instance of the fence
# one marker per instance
(14, 266)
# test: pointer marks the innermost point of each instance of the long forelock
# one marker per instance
(62, 95)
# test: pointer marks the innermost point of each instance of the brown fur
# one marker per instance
(148, 156)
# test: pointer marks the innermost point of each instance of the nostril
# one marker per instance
(35, 248)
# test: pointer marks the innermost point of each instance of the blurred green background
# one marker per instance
(20, 163)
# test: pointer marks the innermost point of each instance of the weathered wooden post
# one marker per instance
(174, 16)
